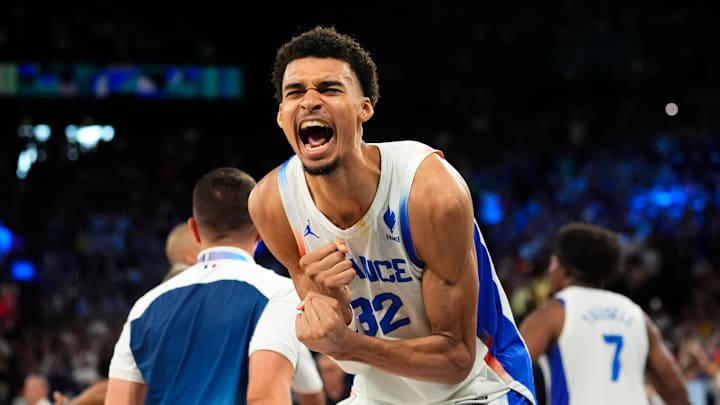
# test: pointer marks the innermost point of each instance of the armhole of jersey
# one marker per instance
(566, 321)
(405, 195)
(285, 196)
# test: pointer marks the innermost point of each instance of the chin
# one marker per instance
(322, 170)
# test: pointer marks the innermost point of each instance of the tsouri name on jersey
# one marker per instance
(596, 314)
(386, 270)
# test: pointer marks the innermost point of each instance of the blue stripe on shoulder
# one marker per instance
(282, 174)
(406, 235)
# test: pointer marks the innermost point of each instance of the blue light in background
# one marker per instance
(661, 198)
(491, 211)
(22, 270)
(6, 240)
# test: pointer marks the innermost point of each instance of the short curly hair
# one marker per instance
(590, 252)
(326, 42)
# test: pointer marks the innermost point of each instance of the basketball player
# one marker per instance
(599, 344)
(381, 243)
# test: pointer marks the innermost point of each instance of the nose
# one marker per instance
(311, 100)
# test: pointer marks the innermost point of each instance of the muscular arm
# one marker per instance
(442, 223)
(664, 372)
(541, 328)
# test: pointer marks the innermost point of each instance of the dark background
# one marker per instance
(525, 101)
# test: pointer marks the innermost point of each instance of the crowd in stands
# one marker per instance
(95, 256)
(552, 116)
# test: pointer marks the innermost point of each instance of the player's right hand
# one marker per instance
(329, 270)
(327, 267)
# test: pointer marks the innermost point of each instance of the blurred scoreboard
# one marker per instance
(143, 81)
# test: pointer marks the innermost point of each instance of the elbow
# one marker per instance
(461, 364)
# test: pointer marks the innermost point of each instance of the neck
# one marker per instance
(246, 245)
(345, 195)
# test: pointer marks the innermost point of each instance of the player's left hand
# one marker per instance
(320, 325)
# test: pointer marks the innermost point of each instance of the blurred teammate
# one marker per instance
(381, 236)
(181, 251)
(599, 343)
(221, 331)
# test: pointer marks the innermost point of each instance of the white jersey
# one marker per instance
(307, 378)
(387, 296)
(189, 338)
(601, 352)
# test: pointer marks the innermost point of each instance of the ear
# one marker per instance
(566, 275)
(192, 223)
(366, 110)
(277, 118)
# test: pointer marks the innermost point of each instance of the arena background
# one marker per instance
(568, 112)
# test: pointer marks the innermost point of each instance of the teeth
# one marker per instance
(310, 147)
(308, 124)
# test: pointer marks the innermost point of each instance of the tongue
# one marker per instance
(316, 140)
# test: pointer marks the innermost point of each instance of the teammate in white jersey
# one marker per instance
(181, 251)
(600, 345)
(219, 332)
(382, 244)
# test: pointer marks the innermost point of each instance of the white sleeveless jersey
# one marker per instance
(601, 352)
(386, 292)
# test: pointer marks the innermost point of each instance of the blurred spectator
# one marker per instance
(35, 391)
(337, 383)
(694, 364)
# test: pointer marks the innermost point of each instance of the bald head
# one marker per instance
(35, 388)
(181, 249)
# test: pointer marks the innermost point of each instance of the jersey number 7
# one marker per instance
(616, 340)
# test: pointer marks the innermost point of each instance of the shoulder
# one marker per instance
(275, 284)
(440, 214)
(549, 310)
(267, 183)
(548, 320)
(265, 195)
(146, 300)
(439, 185)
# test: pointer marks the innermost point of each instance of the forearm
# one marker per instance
(671, 389)
(676, 400)
(434, 358)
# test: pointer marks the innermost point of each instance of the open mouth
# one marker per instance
(315, 134)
